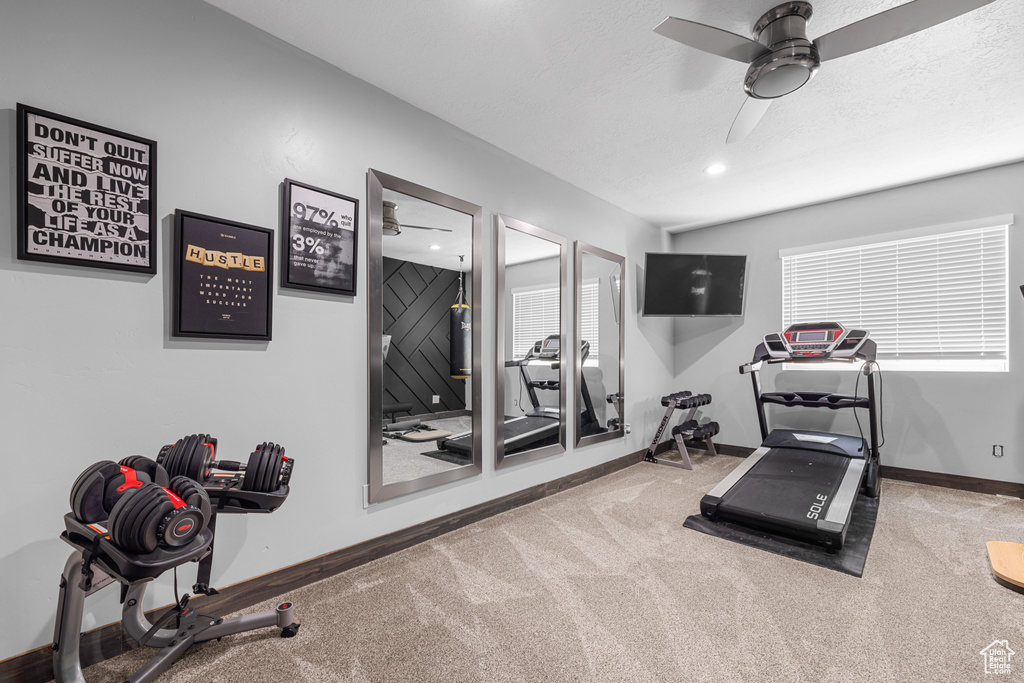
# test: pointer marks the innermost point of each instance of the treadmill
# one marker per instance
(540, 424)
(803, 484)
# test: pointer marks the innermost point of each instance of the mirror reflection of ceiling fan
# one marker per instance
(781, 59)
(391, 226)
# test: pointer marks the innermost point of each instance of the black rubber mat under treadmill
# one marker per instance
(849, 560)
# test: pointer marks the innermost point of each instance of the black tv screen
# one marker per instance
(694, 284)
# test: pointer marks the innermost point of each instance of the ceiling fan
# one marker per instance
(782, 59)
(391, 226)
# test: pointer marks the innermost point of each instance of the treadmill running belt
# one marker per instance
(782, 487)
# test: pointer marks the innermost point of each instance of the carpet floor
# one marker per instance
(603, 583)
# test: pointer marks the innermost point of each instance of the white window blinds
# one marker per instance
(589, 322)
(935, 302)
(535, 315)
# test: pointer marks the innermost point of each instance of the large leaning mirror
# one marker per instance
(600, 365)
(531, 313)
(423, 337)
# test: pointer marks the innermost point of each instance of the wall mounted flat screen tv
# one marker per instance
(694, 284)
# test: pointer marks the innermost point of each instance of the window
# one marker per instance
(535, 316)
(589, 320)
(933, 299)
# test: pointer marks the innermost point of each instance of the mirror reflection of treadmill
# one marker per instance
(540, 425)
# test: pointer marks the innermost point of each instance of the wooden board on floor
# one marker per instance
(425, 436)
(1007, 561)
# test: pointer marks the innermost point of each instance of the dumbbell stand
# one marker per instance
(228, 496)
(649, 455)
(67, 667)
(672, 404)
(685, 462)
(193, 627)
(681, 445)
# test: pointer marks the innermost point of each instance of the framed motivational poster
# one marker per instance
(319, 230)
(86, 194)
(223, 275)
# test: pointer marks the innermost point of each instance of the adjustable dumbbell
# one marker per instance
(102, 484)
(266, 471)
(153, 516)
(141, 508)
(189, 457)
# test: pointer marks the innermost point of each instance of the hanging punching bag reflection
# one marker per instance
(461, 344)
(460, 334)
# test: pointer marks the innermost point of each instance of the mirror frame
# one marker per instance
(377, 490)
(584, 248)
(506, 223)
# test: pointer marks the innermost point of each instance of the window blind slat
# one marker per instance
(940, 296)
(536, 315)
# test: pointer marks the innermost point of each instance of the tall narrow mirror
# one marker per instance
(600, 365)
(423, 337)
(531, 313)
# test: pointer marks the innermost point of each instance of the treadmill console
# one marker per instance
(547, 348)
(815, 341)
(549, 351)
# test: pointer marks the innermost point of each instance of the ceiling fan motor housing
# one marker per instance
(793, 59)
(390, 225)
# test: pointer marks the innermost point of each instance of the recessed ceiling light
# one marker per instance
(435, 247)
(715, 169)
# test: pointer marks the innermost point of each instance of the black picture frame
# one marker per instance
(86, 193)
(223, 278)
(318, 255)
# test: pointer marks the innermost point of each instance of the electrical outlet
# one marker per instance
(997, 450)
(437, 399)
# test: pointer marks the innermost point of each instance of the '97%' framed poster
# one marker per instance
(86, 194)
(319, 238)
(223, 275)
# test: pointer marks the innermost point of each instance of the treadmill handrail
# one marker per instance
(747, 368)
(814, 399)
(866, 352)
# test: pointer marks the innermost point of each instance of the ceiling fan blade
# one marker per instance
(750, 113)
(423, 227)
(891, 25)
(711, 39)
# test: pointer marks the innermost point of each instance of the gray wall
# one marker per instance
(88, 368)
(935, 421)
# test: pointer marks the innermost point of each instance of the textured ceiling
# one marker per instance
(585, 90)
